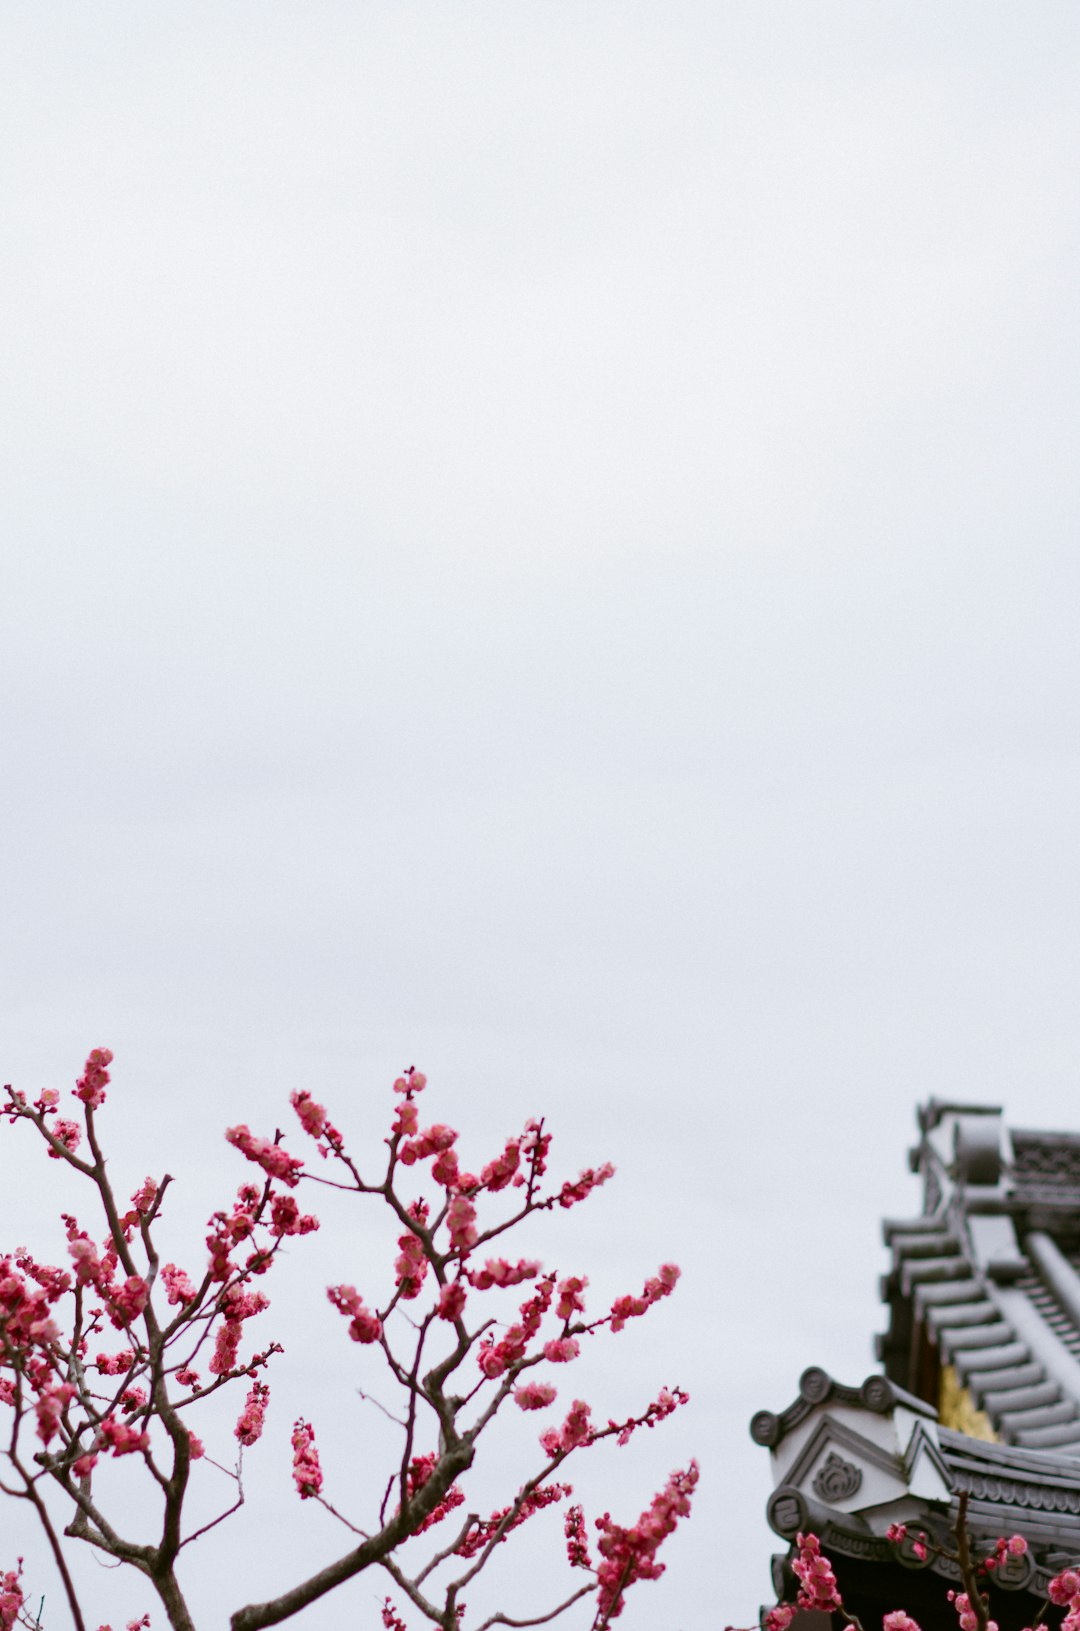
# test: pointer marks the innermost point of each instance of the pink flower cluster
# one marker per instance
(1064, 1591)
(575, 1430)
(817, 1588)
(411, 1081)
(49, 1408)
(899, 1621)
(90, 1087)
(237, 1305)
(661, 1285)
(571, 1193)
(66, 1132)
(432, 1141)
(287, 1219)
(120, 1437)
(419, 1473)
(498, 1272)
(571, 1296)
(250, 1425)
(274, 1160)
(11, 1598)
(1015, 1546)
(534, 1395)
(307, 1474)
(496, 1357)
(577, 1541)
(630, 1554)
(485, 1529)
(178, 1287)
(411, 1267)
(364, 1326)
(461, 1222)
(666, 1401)
(116, 1364)
(504, 1169)
(969, 1620)
(897, 1532)
(313, 1119)
(452, 1298)
(25, 1312)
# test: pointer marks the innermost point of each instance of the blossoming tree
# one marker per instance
(818, 1590)
(112, 1355)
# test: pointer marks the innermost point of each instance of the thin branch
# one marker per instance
(541, 1619)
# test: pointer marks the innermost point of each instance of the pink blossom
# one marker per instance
(250, 1425)
(226, 1347)
(121, 1438)
(115, 1364)
(11, 1598)
(575, 1430)
(307, 1474)
(129, 1300)
(144, 1197)
(780, 1617)
(364, 1326)
(584, 1184)
(666, 1401)
(662, 1285)
(411, 1081)
(498, 1173)
(312, 1115)
(421, 1468)
(1064, 1587)
(560, 1350)
(178, 1287)
(461, 1222)
(90, 1087)
(445, 1170)
(432, 1141)
(84, 1255)
(571, 1301)
(390, 1620)
(406, 1119)
(274, 1160)
(534, 1395)
(484, 1530)
(50, 1406)
(68, 1133)
(410, 1269)
(498, 1272)
(899, 1621)
(287, 1219)
(577, 1545)
(630, 1554)
(187, 1377)
(818, 1589)
(451, 1304)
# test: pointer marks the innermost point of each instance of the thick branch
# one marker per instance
(451, 1465)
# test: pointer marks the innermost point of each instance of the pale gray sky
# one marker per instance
(539, 541)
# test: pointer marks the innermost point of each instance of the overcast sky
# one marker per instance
(539, 540)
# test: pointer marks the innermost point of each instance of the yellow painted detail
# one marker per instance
(956, 1409)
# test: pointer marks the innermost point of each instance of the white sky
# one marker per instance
(539, 541)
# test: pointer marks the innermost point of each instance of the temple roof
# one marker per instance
(984, 1290)
(981, 1391)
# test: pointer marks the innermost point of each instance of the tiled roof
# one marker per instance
(984, 1282)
